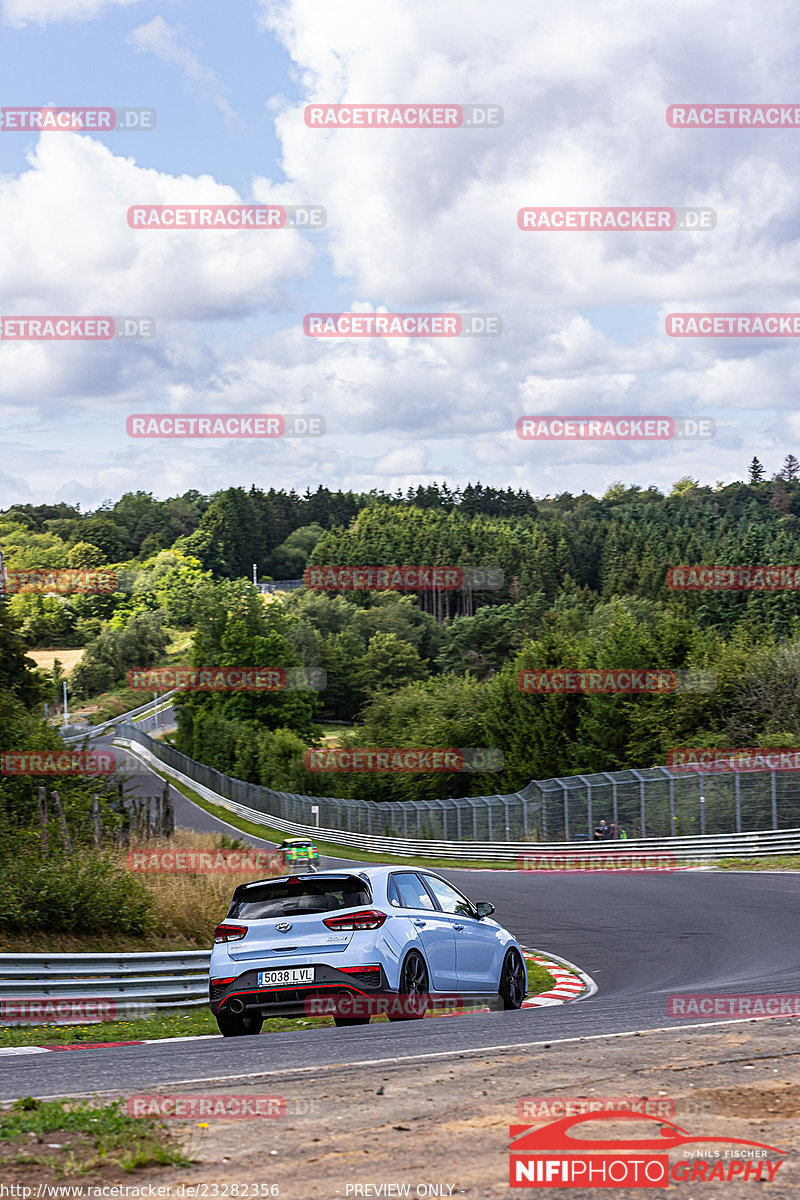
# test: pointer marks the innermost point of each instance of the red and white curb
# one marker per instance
(199, 1037)
(569, 986)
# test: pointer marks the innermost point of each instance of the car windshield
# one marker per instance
(294, 897)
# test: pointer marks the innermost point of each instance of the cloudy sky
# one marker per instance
(418, 220)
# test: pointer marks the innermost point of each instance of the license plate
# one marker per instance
(288, 975)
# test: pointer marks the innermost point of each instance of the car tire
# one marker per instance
(512, 980)
(413, 982)
(340, 1021)
(235, 1025)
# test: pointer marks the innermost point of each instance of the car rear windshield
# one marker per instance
(294, 897)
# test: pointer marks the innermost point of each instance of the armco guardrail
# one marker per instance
(91, 731)
(151, 980)
(685, 849)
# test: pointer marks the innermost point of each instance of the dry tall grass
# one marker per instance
(189, 906)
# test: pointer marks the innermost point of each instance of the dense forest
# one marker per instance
(584, 584)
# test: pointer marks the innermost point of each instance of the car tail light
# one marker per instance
(229, 933)
(222, 982)
(372, 969)
(368, 918)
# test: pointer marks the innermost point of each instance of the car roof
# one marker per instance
(373, 874)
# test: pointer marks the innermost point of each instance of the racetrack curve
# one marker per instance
(640, 937)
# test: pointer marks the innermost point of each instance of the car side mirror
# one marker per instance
(484, 909)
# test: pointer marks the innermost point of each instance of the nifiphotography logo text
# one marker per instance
(567, 1153)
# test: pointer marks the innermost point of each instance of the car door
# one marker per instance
(434, 929)
(478, 946)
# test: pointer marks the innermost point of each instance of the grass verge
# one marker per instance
(773, 862)
(67, 1137)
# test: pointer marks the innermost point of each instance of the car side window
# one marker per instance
(450, 901)
(410, 890)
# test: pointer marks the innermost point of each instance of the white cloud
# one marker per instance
(42, 12)
(170, 45)
(80, 252)
(426, 220)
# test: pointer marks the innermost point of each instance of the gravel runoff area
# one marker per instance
(442, 1122)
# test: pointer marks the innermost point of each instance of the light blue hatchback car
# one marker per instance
(356, 943)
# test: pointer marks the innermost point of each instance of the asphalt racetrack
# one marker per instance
(641, 938)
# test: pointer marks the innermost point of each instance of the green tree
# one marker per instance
(389, 663)
(756, 471)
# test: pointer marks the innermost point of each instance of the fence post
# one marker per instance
(566, 809)
(169, 812)
(737, 786)
(584, 780)
(672, 828)
(62, 820)
(43, 820)
(96, 820)
(701, 781)
(774, 799)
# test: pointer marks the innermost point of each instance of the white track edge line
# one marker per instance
(474, 1050)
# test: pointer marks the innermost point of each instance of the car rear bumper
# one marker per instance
(293, 1000)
